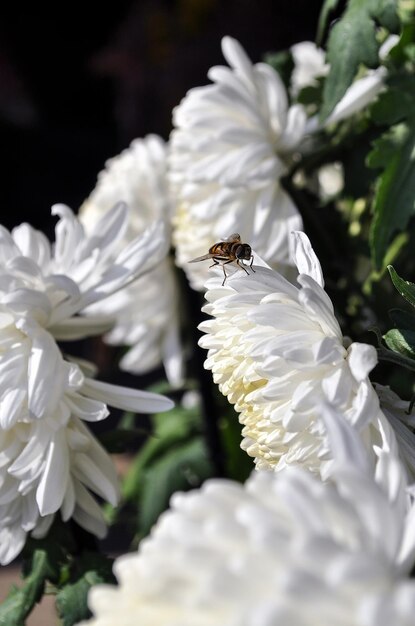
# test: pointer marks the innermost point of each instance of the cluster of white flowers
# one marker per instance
(49, 460)
(323, 532)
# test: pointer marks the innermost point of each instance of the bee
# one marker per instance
(229, 251)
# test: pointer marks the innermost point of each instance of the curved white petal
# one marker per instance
(359, 95)
(306, 259)
(126, 398)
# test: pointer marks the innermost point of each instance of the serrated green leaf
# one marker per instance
(352, 42)
(89, 569)
(394, 200)
(405, 288)
(20, 601)
(402, 319)
(181, 468)
(328, 7)
(401, 340)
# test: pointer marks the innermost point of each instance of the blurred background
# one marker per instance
(77, 85)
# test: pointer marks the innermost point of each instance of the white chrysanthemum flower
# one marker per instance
(276, 351)
(309, 64)
(146, 312)
(48, 458)
(283, 549)
(233, 142)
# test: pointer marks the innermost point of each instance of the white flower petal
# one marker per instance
(359, 95)
(306, 259)
(126, 398)
(362, 359)
(52, 487)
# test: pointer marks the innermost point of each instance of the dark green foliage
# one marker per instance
(43, 566)
(405, 288)
(352, 41)
(401, 340)
(328, 7)
(174, 458)
(91, 568)
(394, 200)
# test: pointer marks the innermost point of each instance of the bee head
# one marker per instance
(244, 252)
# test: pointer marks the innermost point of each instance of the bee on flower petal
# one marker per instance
(229, 251)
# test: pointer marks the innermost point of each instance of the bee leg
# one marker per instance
(215, 262)
(238, 262)
(250, 265)
(223, 267)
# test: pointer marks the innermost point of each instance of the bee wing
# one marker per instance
(201, 258)
(233, 238)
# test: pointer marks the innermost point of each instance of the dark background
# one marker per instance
(76, 87)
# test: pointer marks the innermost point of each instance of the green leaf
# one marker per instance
(405, 288)
(385, 12)
(395, 104)
(398, 54)
(89, 569)
(185, 466)
(394, 200)
(398, 359)
(401, 340)
(20, 601)
(175, 427)
(328, 7)
(384, 354)
(352, 42)
(402, 319)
